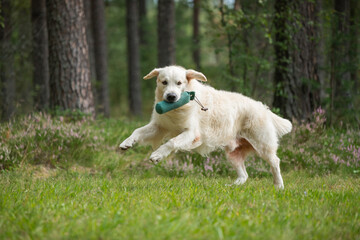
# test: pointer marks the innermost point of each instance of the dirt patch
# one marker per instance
(81, 169)
(43, 172)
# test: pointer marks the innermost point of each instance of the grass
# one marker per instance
(42, 203)
(87, 189)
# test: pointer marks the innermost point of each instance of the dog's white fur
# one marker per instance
(235, 123)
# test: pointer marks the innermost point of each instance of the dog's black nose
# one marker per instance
(171, 97)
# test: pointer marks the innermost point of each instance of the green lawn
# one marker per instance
(64, 178)
(77, 203)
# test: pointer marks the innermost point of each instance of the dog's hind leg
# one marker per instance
(264, 140)
(238, 163)
(274, 162)
(268, 153)
(237, 158)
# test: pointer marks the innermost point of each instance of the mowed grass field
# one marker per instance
(39, 203)
(65, 179)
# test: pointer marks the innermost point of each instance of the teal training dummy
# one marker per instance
(163, 106)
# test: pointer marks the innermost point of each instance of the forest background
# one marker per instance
(294, 56)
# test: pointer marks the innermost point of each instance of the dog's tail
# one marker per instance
(283, 126)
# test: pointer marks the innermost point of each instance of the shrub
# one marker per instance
(313, 146)
(42, 139)
(39, 138)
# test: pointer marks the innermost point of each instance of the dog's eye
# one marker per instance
(164, 82)
(178, 83)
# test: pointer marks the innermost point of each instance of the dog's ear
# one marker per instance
(192, 74)
(153, 73)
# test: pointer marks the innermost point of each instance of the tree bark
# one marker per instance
(341, 33)
(322, 58)
(237, 5)
(196, 33)
(354, 33)
(296, 80)
(99, 34)
(70, 85)
(166, 33)
(282, 56)
(142, 22)
(133, 57)
(90, 42)
(7, 78)
(341, 83)
(40, 55)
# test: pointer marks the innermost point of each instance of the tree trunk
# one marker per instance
(99, 34)
(296, 79)
(196, 34)
(133, 57)
(70, 85)
(90, 42)
(7, 78)
(231, 39)
(282, 57)
(142, 21)
(340, 60)
(245, 40)
(40, 54)
(354, 33)
(322, 58)
(166, 33)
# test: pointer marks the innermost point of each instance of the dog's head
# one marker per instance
(172, 81)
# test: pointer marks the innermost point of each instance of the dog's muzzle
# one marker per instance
(171, 97)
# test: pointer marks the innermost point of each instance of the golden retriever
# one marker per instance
(233, 122)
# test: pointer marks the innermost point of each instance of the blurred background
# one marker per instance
(91, 55)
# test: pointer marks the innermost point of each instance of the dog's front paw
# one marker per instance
(279, 186)
(128, 143)
(155, 157)
(238, 181)
(160, 153)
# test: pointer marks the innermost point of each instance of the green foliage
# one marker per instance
(319, 149)
(41, 139)
(242, 41)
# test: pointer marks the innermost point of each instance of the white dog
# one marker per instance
(233, 122)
